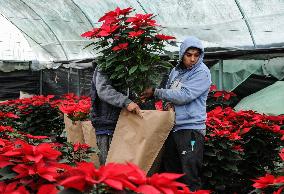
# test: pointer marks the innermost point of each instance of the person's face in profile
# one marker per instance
(191, 57)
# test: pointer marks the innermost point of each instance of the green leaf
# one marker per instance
(219, 156)
(119, 67)
(7, 173)
(133, 69)
(143, 68)
(113, 76)
(209, 154)
(120, 76)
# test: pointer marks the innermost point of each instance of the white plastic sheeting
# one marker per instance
(237, 71)
(53, 27)
(268, 100)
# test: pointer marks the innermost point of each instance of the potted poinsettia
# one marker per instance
(129, 47)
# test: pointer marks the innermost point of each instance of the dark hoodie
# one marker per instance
(106, 103)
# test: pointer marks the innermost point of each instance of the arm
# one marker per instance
(190, 89)
(107, 93)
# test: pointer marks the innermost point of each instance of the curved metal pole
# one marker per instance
(141, 6)
(247, 22)
(89, 20)
(48, 28)
(28, 36)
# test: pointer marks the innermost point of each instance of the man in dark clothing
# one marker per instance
(106, 106)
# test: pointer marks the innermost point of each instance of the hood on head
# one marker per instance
(191, 41)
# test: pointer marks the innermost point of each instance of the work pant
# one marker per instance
(103, 142)
(183, 156)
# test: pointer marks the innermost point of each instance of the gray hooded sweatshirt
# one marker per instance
(188, 89)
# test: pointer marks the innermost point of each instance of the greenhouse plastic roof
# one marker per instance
(53, 27)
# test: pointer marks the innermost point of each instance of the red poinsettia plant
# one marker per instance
(129, 46)
(76, 108)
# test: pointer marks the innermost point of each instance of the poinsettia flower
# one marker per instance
(263, 182)
(159, 105)
(121, 46)
(164, 37)
(213, 88)
(78, 146)
(80, 177)
(47, 172)
(36, 153)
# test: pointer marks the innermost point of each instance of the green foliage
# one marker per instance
(221, 165)
(36, 120)
(132, 61)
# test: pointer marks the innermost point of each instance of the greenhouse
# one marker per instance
(137, 96)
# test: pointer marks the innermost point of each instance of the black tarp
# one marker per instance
(11, 83)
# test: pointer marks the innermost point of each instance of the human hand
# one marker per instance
(148, 93)
(169, 106)
(133, 107)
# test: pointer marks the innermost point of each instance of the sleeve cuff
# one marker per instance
(127, 102)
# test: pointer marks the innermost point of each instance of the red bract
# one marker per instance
(263, 182)
(6, 128)
(121, 46)
(30, 153)
(78, 146)
(8, 115)
(228, 123)
(159, 105)
(135, 33)
(47, 172)
(91, 34)
(76, 108)
(279, 191)
(164, 37)
(113, 14)
(213, 88)
(115, 175)
(80, 177)
(281, 154)
(107, 29)
(47, 189)
(238, 148)
(12, 188)
(36, 137)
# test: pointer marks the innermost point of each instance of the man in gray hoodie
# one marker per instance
(186, 91)
(107, 103)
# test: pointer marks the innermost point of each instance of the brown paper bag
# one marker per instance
(90, 139)
(139, 140)
(82, 132)
(73, 130)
